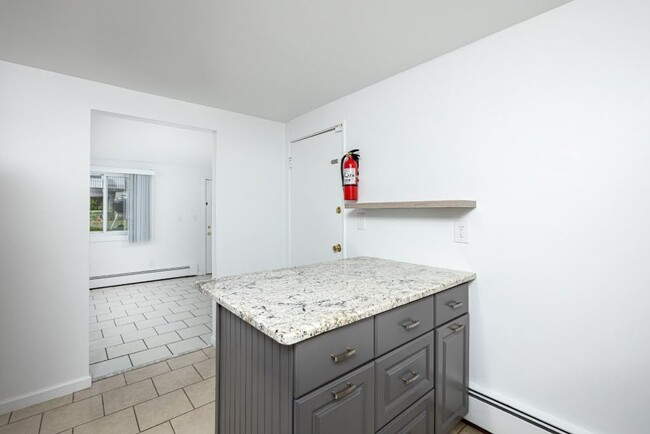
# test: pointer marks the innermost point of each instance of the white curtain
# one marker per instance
(139, 208)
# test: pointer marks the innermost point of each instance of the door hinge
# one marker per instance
(290, 160)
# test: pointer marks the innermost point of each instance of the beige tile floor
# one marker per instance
(175, 396)
(463, 428)
(136, 325)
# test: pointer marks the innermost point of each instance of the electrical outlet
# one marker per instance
(361, 221)
(461, 230)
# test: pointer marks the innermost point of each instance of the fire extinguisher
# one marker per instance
(350, 175)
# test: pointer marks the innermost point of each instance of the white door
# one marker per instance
(208, 226)
(316, 199)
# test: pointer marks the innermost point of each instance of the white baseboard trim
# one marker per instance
(497, 421)
(29, 399)
(142, 276)
(497, 414)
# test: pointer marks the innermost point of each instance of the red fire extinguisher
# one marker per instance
(350, 175)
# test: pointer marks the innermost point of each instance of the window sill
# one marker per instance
(104, 237)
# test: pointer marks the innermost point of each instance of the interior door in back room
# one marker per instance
(208, 226)
(316, 199)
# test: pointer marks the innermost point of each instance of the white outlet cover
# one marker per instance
(361, 221)
(461, 230)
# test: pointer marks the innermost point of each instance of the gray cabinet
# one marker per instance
(403, 371)
(343, 406)
(452, 370)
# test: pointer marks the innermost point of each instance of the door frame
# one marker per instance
(332, 127)
(206, 245)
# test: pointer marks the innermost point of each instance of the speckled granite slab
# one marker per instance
(293, 304)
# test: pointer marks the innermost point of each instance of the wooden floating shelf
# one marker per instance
(413, 204)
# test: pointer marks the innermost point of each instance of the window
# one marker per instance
(108, 197)
(120, 204)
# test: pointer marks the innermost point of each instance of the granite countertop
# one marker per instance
(293, 304)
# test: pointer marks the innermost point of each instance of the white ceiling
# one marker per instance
(274, 59)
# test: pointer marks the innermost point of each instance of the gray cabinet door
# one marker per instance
(345, 405)
(452, 369)
(402, 377)
(417, 419)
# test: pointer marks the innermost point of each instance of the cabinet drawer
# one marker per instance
(332, 354)
(418, 419)
(400, 325)
(403, 376)
(343, 406)
(451, 303)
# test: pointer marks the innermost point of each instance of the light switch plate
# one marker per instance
(461, 230)
(361, 220)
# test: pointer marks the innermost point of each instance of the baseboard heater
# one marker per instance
(523, 416)
(142, 276)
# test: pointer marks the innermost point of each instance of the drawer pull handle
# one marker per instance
(409, 325)
(344, 356)
(455, 304)
(456, 327)
(413, 379)
(345, 392)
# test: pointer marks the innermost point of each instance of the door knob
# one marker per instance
(336, 248)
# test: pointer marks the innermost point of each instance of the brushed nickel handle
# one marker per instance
(413, 379)
(455, 304)
(345, 392)
(456, 327)
(409, 325)
(344, 356)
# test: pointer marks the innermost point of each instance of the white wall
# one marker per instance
(182, 159)
(546, 125)
(44, 268)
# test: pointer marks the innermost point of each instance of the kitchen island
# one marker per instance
(354, 346)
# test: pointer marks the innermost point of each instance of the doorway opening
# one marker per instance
(148, 226)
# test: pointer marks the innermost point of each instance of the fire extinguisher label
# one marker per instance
(349, 176)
